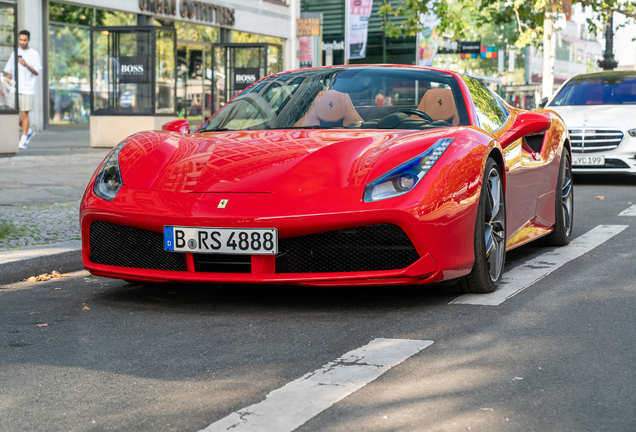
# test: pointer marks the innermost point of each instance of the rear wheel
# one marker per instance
(563, 206)
(490, 235)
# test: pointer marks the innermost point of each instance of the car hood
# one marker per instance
(612, 116)
(266, 161)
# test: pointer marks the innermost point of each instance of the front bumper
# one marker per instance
(433, 236)
(621, 160)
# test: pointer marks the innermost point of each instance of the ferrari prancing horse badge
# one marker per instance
(222, 204)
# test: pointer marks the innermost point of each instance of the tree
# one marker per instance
(534, 20)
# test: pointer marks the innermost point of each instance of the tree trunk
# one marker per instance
(549, 48)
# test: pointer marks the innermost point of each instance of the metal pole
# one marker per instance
(608, 62)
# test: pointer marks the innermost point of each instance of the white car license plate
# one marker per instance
(220, 240)
(588, 160)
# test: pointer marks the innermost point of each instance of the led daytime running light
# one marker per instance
(390, 184)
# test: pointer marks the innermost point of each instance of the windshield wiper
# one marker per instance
(309, 127)
(222, 129)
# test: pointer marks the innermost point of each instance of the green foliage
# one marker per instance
(527, 16)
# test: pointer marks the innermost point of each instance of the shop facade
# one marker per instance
(214, 42)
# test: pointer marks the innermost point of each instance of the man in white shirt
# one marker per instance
(29, 67)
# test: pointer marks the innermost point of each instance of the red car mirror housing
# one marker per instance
(526, 123)
(181, 126)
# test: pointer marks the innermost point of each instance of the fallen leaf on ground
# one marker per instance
(58, 288)
(42, 325)
(46, 276)
(86, 308)
(34, 313)
(600, 197)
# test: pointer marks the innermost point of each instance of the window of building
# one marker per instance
(69, 58)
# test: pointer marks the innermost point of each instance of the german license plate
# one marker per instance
(588, 160)
(220, 240)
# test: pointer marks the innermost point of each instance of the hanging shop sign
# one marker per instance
(469, 47)
(190, 9)
(245, 77)
(357, 28)
(133, 69)
(308, 27)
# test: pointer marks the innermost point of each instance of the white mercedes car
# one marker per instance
(599, 109)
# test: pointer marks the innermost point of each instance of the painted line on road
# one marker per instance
(629, 212)
(521, 277)
(292, 405)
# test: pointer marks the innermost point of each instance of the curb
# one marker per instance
(19, 264)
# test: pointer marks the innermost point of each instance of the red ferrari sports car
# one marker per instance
(308, 178)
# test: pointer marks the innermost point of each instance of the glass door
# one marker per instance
(194, 82)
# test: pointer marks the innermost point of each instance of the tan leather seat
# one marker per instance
(330, 108)
(440, 105)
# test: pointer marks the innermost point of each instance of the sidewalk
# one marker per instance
(40, 190)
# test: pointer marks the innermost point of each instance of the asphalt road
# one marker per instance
(558, 356)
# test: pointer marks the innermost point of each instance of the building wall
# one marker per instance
(263, 17)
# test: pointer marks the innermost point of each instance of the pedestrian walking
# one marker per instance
(29, 67)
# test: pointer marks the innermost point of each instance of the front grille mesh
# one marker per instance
(370, 248)
(123, 246)
(595, 140)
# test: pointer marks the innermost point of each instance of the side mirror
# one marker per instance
(526, 123)
(181, 126)
(543, 102)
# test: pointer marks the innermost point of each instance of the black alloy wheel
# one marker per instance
(563, 206)
(490, 236)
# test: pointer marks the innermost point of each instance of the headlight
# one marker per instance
(632, 132)
(405, 177)
(108, 181)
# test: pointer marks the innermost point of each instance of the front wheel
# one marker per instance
(490, 235)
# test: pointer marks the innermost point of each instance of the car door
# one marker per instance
(523, 172)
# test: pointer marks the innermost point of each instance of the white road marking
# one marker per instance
(290, 406)
(521, 277)
(629, 212)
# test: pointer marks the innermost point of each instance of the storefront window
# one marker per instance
(69, 58)
(133, 71)
(165, 70)
(8, 95)
(69, 79)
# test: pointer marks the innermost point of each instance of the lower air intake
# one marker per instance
(369, 248)
(124, 246)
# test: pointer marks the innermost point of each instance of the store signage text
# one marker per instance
(244, 77)
(308, 27)
(133, 69)
(335, 46)
(190, 9)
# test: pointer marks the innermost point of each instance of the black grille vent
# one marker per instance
(535, 142)
(220, 263)
(370, 248)
(123, 246)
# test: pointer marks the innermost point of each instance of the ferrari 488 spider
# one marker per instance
(354, 175)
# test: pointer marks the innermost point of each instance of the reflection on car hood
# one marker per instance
(607, 116)
(265, 161)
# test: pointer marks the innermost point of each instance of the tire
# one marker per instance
(490, 236)
(563, 206)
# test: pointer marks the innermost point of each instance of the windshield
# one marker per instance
(598, 89)
(354, 97)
